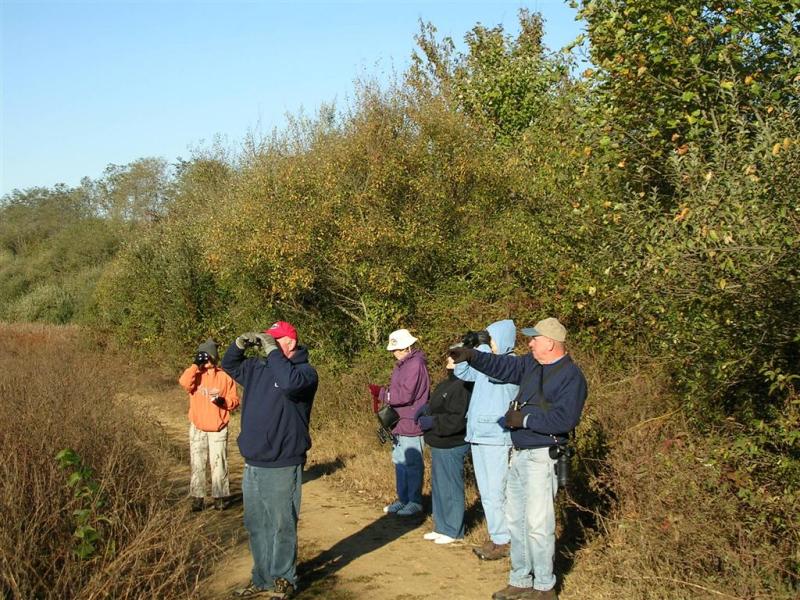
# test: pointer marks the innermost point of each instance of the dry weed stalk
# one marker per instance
(57, 393)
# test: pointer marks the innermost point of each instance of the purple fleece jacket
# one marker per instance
(408, 389)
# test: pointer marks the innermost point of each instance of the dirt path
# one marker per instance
(348, 548)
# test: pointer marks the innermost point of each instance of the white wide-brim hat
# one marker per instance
(400, 340)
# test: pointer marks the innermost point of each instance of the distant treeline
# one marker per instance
(650, 202)
(56, 242)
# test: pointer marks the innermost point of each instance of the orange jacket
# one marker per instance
(201, 383)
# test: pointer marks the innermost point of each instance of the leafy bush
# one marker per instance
(685, 514)
(46, 303)
(669, 76)
(52, 245)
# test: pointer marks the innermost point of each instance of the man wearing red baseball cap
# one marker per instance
(285, 335)
(279, 389)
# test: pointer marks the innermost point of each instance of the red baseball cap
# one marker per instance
(281, 329)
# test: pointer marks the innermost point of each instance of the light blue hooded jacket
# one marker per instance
(490, 398)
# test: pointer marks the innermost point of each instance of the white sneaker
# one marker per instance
(432, 536)
(444, 539)
(412, 508)
(393, 507)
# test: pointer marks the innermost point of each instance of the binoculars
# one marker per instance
(473, 339)
(562, 454)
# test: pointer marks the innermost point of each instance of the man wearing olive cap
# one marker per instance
(551, 396)
(279, 388)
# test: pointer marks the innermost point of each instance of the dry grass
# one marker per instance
(667, 520)
(57, 392)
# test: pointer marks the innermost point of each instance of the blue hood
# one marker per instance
(490, 397)
(504, 334)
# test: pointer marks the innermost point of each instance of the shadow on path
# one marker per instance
(473, 516)
(377, 534)
(320, 469)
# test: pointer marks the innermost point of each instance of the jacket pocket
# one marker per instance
(489, 419)
(487, 427)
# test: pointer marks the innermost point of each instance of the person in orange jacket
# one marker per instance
(212, 396)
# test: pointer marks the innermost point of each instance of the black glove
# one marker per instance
(514, 419)
(461, 354)
(201, 358)
(426, 422)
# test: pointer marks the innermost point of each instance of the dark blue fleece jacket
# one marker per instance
(551, 409)
(276, 407)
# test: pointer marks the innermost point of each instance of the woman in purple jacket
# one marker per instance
(408, 390)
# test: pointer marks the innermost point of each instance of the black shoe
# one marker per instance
(197, 504)
(220, 504)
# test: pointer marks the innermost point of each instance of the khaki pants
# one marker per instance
(209, 447)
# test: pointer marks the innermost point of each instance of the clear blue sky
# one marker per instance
(89, 83)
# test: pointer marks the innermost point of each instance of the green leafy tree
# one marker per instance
(673, 78)
(138, 191)
(503, 83)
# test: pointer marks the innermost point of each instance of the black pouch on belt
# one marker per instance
(387, 416)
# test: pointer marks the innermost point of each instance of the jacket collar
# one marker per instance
(416, 352)
(300, 355)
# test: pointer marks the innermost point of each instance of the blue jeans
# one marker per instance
(532, 486)
(447, 489)
(408, 467)
(491, 469)
(271, 508)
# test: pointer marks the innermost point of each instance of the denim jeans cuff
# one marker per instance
(501, 541)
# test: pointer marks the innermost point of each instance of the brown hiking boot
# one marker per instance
(251, 591)
(283, 589)
(548, 595)
(492, 551)
(512, 592)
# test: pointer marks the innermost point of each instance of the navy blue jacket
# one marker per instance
(554, 412)
(276, 407)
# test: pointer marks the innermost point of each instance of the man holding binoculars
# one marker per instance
(279, 387)
(548, 407)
